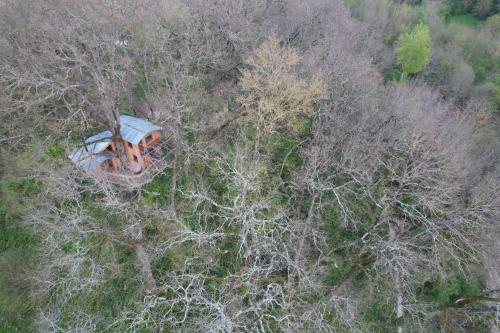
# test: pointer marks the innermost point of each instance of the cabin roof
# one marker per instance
(99, 142)
(91, 163)
(93, 145)
(92, 154)
(133, 129)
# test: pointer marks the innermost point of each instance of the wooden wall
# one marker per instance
(135, 152)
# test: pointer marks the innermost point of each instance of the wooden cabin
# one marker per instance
(140, 139)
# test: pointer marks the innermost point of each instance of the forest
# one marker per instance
(329, 166)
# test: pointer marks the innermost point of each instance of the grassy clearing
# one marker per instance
(466, 20)
(17, 257)
(18, 244)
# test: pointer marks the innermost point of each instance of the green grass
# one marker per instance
(56, 150)
(380, 316)
(159, 190)
(445, 292)
(340, 271)
(467, 20)
(18, 253)
(17, 256)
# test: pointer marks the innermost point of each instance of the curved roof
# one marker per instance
(93, 145)
(91, 163)
(98, 142)
(92, 154)
(133, 129)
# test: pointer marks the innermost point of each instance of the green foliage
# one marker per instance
(17, 307)
(119, 290)
(162, 265)
(55, 150)
(145, 83)
(231, 261)
(495, 97)
(285, 155)
(484, 8)
(337, 233)
(15, 238)
(101, 214)
(478, 8)
(392, 74)
(355, 7)
(159, 190)
(493, 24)
(380, 315)
(341, 270)
(17, 255)
(445, 292)
(23, 186)
(414, 50)
(140, 85)
(482, 59)
(468, 20)
(421, 17)
(207, 84)
(457, 7)
(475, 39)
(447, 67)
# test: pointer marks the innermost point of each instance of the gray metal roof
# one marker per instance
(93, 145)
(93, 154)
(133, 129)
(91, 163)
(99, 142)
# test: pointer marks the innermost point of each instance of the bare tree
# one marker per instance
(395, 167)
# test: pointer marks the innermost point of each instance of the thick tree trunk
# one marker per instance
(120, 146)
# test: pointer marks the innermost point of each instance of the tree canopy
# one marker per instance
(301, 188)
(414, 50)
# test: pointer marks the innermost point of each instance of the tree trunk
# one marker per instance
(305, 230)
(397, 282)
(174, 177)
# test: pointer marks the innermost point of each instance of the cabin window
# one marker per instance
(130, 145)
(149, 138)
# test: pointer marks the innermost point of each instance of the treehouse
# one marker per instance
(139, 141)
